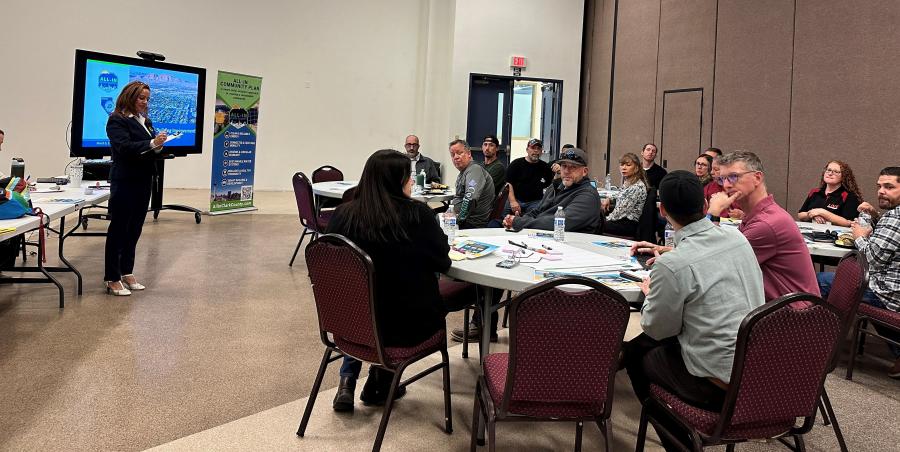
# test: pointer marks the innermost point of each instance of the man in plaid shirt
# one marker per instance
(881, 247)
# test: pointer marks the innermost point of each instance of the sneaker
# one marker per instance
(895, 370)
(474, 333)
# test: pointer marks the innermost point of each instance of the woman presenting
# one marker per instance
(134, 145)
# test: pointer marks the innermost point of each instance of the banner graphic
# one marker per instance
(234, 143)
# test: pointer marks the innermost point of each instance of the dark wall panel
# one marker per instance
(846, 91)
(634, 99)
(687, 38)
(681, 116)
(595, 84)
(752, 97)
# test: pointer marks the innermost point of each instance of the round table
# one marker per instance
(484, 272)
(821, 249)
(336, 189)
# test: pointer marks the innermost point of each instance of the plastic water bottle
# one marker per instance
(669, 235)
(559, 225)
(864, 219)
(607, 183)
(420, 180)
(450, 224)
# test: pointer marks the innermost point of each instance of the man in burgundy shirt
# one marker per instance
(780, 249)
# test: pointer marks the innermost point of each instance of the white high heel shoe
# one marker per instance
(135, 286)
(123, 292)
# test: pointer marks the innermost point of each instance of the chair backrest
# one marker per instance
(646, 229)
(349, 194)
(500, 204)
(780, 362)
(343, 281)
(850, 281)
(564, 345)
(306, 206)
(326, 173)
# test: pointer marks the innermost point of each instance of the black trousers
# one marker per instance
(128, 203)
(659, 362)
(623, 227)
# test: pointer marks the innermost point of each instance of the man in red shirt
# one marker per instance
(780, 249)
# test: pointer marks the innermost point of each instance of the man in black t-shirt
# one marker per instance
(527, 178)
(655, 173)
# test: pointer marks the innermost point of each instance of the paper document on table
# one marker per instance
(172, 137)
(5, 230)
(62, 200)
(610, 279)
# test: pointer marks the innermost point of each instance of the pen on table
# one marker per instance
(546, 247)
(523, 245)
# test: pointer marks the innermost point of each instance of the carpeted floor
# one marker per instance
(224, 346)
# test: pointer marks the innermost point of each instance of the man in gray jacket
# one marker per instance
(696, 297)
(576, 195)
(474, 197)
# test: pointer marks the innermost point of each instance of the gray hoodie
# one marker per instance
(580, 202)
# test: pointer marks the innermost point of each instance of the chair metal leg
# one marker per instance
(801, 445)
(862, 339)
(825, 420)
(475, 416)
(729, 448)
(300, 242)
(465, 350)
(607, 434)
(857, 332)
(388, 406)
(834, 422)
(579, 427)
(492, 434)
(506, 309)
(448, 413)
(642, 431)
(313, 393)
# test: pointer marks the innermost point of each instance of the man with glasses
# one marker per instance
(655, 173)
(780, 249)
(576, 195)
(419, 162)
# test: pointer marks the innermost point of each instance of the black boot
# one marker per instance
(343, 400)
(377, 386)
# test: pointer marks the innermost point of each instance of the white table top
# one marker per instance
(53, 210)
(336, 189)
(815, 248)
(484, 271)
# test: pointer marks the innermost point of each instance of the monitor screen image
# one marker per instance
(176, 101)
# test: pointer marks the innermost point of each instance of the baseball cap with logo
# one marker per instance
(536, 143)
(491, 139)
(574, 156)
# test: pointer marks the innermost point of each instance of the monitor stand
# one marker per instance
(157, 195)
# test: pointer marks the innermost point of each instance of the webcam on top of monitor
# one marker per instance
(151, 56)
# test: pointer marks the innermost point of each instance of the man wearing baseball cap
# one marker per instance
(527, 178)
(576, 195)
(692, 310)
(492, 164)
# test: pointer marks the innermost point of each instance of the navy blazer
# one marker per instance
(130, 143)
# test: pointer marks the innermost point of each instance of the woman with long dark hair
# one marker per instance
(134, 143)
(629, 204)
(836, 199)
(408, 248)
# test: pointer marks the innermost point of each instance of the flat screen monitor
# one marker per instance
(176, 101)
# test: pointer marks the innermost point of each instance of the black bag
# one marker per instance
(9, 252)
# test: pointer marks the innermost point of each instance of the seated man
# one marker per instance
(881, 247)
(576, 195)
(692, 310)
(780, 249)
(419, 162)
(527, 178)
(474, 197)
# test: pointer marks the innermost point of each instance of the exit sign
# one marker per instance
(517, 62)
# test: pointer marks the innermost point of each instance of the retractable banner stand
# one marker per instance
(234, 143)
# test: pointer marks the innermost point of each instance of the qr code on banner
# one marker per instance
(246, 193)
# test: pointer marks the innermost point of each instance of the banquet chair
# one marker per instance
(883, 319)
(313, 223)
(562, 360)
(782, 356)
(343, 281)
(850, 281)
(327, 173)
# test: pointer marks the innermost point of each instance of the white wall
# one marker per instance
(376, 70)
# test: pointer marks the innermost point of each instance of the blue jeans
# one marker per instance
(526, 207)
(826, 279)
(351, 367)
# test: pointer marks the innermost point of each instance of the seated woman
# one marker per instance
(837, 198)
(408, 248)
(629, 204)
(702, 168)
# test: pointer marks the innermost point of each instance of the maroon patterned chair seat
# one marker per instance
(393, 355)
(705, 421)
(563, 356)
(883, 315)
(496, 366)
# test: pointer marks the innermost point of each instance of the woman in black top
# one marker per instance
(408, 248)
(836, 200)
(134, 145)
